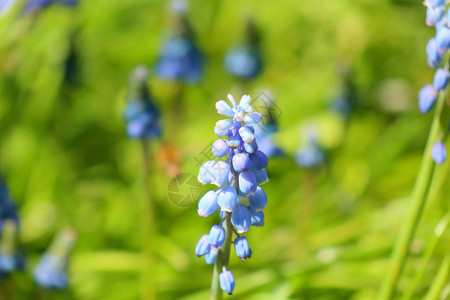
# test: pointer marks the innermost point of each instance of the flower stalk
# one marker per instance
(223, 258)
(418, 200)
(148, 230)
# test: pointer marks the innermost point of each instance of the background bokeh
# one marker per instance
(329, 231)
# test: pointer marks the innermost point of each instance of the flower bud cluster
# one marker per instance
(438, 17)
(141, 114)
(238, 178)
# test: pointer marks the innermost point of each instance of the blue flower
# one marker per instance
(210, 258)
(207, 205)
(216, 236)
(220, 148)
(439, 153)
(33, 5)
(243, 61)
(4, 4)
(241, 162)
(242, 248)
(311, 155)
(434, 57)
(256, 217)
(247, 182)
(141, 114)
(441, 78)
(434, 15)
(227, 198)
(240, 218)
(427, 97)
(435, 3)
(181, 60)
(51, 271)
(238, 178)
(203, 246)
(443, 39)
(259, 159)
(260, 175)
(258, 201)
(226, 280)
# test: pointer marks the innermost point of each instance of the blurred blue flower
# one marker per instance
(434, 15)
(346, 100)
(33, 5)
(141, 114)
(51, 271)
(311, 155)
(243, 61)
(342, 106)
(5, 4)
(264, 138)
(441, 78)
(443, 39)
(439, 153)
(181, 60)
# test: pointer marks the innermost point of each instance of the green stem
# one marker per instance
(148, 231)
(43, 294)
(439, 281)
(431, 246)
(7, 288)
(418, 199)
(223, 258)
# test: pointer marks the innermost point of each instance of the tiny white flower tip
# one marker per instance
(231, 98)
(201, 213)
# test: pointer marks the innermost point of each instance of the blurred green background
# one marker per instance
(328, 232)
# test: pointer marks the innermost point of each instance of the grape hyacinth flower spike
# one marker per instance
(244, 60)
(240, 198)
(436, 50)
(431, 95)
(141, 113)
(51, 271)
(180, 59)
(346, 100)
